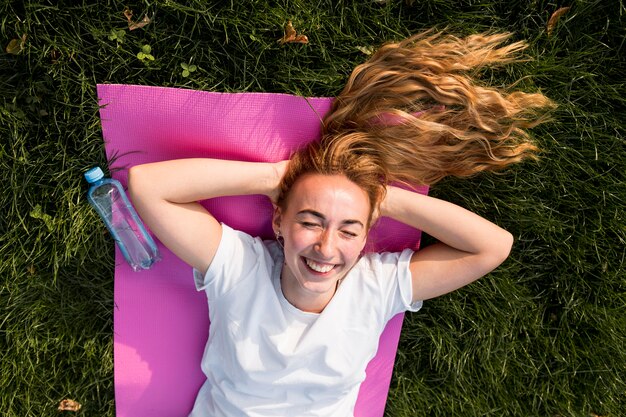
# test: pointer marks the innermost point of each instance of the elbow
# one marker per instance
(132, 181)
(496, 253)
(135, 181)
(503, 248)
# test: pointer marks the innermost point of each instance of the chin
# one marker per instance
(319, 287)
(318, 284)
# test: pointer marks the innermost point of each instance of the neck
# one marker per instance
(303, 300)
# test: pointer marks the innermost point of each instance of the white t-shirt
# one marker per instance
(264, 357)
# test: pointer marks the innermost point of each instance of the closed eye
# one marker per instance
(309, 225)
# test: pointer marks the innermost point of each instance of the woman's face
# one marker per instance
(324, 226)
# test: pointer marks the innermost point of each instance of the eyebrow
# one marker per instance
(322, 217)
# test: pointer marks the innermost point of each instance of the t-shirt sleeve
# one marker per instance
(396, 283)
(235, 259)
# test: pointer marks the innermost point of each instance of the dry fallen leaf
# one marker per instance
(15, 46)
(367, 50)
(69, 405)
(135, 25)
(291, 37)
(555, 18)
(141, 24)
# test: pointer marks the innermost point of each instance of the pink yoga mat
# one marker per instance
(160, 321)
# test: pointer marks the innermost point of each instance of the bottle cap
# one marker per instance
(93, 175)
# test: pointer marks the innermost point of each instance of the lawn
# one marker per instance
(543, 335)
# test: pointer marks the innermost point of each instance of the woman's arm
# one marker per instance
(469, 246)
(165, 195)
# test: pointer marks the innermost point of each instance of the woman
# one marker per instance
(296, 321)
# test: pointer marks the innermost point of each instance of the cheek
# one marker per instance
(352, 250)
(296, 241)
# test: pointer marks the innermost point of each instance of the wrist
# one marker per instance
(270, 181)
(386, 205)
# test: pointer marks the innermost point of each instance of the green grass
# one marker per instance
(544, 335)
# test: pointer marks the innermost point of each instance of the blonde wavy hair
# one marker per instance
(415, 112)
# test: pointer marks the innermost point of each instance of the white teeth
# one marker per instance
(317, 267)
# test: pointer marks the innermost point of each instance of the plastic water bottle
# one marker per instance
(107, 196)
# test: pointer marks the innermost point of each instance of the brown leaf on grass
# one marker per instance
(139, 25)
(135, 25)
(69, 405)
(367, 50)
(291, 37)
(16, 46)
(555, 18)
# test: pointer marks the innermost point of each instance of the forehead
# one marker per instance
(334, 196)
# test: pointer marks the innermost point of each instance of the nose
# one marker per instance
(326, 244)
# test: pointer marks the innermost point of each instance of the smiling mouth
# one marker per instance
(317, 267)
